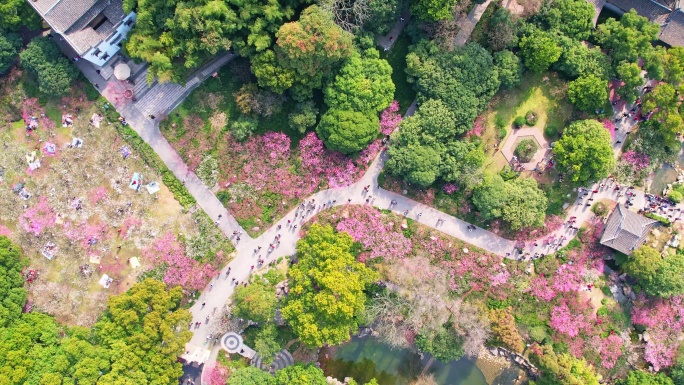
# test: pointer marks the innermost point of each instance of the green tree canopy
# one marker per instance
(250, 376)
(177, 36)
(578, 60)
(147, 330)
(256, 302)
(326, 288)
(347, 131)
(426, 147)
(539, 50)
(630, 73)
(509, 67)
(629, 38)
(502, 30)
(17, 13)
(588, 93)
(519, 202)
(585, 152)
(564, 369)
(658, 276)
(433, 10)
(363, 84)
(574, 18)
(464, 79)
(54, 72)
(12, 292)
(300, 375)
(445, 343)
(311, 48)
(9, 49)
(638, 377)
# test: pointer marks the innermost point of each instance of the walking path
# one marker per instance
(387, 41)
(219, 291)
(467, 24)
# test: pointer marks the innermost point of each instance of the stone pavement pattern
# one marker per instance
(508, 149)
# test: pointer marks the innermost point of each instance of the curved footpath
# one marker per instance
(218, 292)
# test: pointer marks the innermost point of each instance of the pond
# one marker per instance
(367, 358)
(666, 174)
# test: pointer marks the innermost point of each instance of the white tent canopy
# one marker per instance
(122, 71)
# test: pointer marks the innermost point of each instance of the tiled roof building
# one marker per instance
(626, 230)
(93, 28)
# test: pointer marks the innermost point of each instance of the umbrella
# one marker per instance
(122, 71)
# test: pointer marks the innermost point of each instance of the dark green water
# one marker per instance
(366, 358)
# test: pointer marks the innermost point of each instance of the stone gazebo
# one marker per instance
(508, 149)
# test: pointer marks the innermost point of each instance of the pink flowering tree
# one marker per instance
(610, 350)
(367, 226)
(38, 217)
(568, 277)
(180, 270)
(664, 321)
(337, 169)
(540, 288)
(636, 160)
(478, 127)
(449, 188)
(97, 194)
(4, 231)
(390, 118)
(608, 125)
(216, 375)
(567, 319)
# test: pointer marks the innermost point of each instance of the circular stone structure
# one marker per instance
(231, 342)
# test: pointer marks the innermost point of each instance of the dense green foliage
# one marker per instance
(17, 13)
(364, 84)
(658, 276)
(347, 131)
(464, 79)
(426, 147)
(519, 201)
(445, 344)
(502, 30)
(588, 93)
(256, 302)
(629, 38)
(326, 288)
(138, 338)
(250, 375)
(539, 50)
(176, 36)
(9, 48)
(306, 53)
(585, 152)
(630, 74)
(564, 369)
(432, 10)
(510, 68)
(574, 18)
(638, 377)
(12, 290)
(526, 149)
(54, 72)
(579, 60)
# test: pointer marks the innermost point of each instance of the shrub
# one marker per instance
(675, 196)
(658, 218)
(499, 121)
(538, 333)
(526, 149)
(600, 209)
(223, 196)
(531, 118)
(243, 127)
(550, 131)
(502, 132)
(519, 122)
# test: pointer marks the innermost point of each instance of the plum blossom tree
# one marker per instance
(38, 217)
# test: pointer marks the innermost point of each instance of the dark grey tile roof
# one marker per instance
(653, 10)
(625, 230)
(598, 6)
(672, 32)
(67, 12)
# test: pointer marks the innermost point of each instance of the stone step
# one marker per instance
(107, 70)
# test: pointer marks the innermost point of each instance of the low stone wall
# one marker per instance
(516, 358)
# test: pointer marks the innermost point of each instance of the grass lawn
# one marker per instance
(544, 94)
(396, 58)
